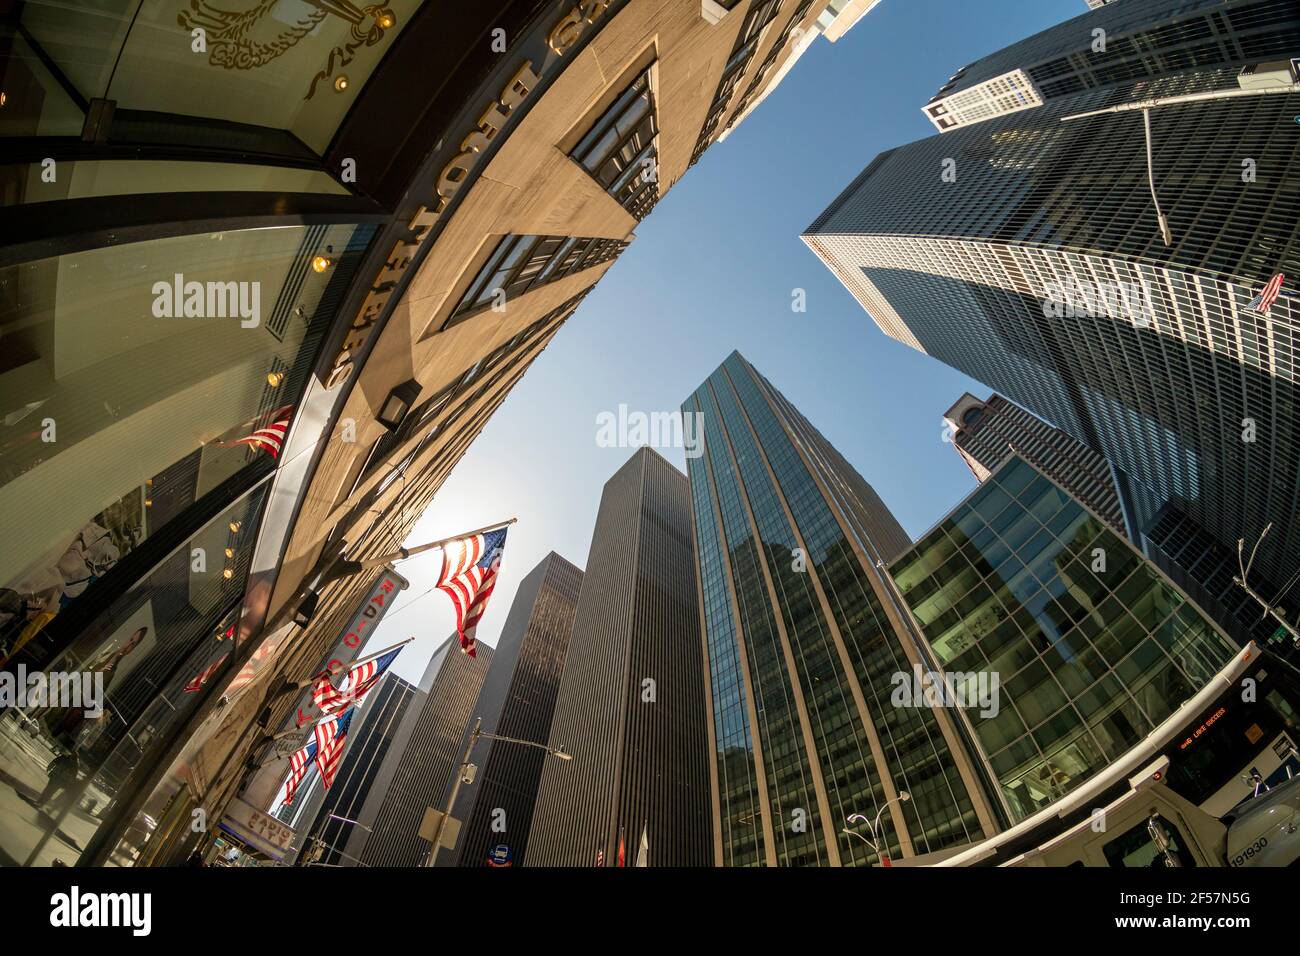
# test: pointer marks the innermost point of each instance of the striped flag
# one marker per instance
(469, 573)
(361, 677)
(299, 764)
(196, 683)
(1264, 301)
(331, 737)
(251, 669)
(622, 853)
(268, 438)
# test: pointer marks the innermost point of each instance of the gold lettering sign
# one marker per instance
(574, 23)
(462, 164)
(562, 37)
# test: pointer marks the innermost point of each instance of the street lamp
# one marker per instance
(874, 826)
(465, 775)
(1146, 106)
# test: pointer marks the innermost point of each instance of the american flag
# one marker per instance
(269, 438)
(196, 683)
(299, 764)
(331, 737)
(469, 573)
(1264, 301)
(361, 677)
(251, 669)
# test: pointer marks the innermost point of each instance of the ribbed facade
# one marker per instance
(1025, 251)
(804, 639)
(517, 700)
(1143, 39)
(986, 433)
(426, 750)
(631, 706)
(368, 744)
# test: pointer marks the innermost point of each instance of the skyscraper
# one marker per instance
(1026, 250)
(517, 700)
(631, 705)
(358, 256)
(1091, 647)
(986, 433)
(416, 773)
(804, 638)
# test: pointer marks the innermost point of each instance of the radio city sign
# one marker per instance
(456, 171)
(365, 621)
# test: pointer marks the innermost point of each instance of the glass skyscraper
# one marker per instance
(1091, 646)
(803, 638)
(1024, 249)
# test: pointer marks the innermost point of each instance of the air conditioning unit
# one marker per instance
(1271, 74)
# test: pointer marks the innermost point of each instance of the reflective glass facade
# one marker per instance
(802, 649)
(155, 648)
(1192, 394)
(1091, 645)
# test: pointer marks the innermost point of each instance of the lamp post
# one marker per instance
(874, 826)
(475, 736)
(1271, 609)
(1146, 106)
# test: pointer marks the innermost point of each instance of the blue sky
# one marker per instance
(713, 268)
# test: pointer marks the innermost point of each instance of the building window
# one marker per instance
(153, 651)
(63, 59)
(759, 16)
(522, 263)
(131, 378)
(621, 150)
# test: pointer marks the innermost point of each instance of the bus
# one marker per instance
(1215, 784)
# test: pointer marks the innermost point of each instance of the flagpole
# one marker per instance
(346, 568)
(308, 681)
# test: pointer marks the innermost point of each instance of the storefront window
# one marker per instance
(294, 65)
(85, 179)
(141, 667)
(134, 381)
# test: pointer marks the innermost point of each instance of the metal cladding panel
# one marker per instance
(639, 748)
(417, 774)
(517, 700)
(1041, 271)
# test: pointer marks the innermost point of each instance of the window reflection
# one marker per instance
(118, 416)
(293, 65)
(152, 651)
(1092, 646)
